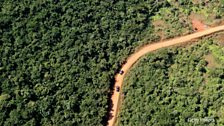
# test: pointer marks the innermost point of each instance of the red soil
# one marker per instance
(198, 25)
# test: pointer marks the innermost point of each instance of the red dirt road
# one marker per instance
(146, 49)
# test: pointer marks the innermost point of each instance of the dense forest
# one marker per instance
(176, 86)
(58, 57)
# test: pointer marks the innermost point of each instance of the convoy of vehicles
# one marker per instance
(117, 88)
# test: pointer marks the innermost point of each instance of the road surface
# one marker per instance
(146, 49)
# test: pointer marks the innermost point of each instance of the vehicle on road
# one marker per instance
(121, 72)
(117, 88)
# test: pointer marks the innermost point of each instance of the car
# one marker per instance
(121, 72)
(117, 88)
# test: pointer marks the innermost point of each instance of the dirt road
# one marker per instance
(146, 49)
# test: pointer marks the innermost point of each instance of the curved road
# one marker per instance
(146, 49)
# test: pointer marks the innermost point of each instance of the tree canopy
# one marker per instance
(174, 87)
(59, 57)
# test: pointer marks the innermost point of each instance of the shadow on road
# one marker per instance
(110, 104)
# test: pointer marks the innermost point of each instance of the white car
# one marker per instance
(121, 72)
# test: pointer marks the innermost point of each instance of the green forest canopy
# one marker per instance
(175, 87)
(58, 57)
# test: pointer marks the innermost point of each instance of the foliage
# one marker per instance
(174, 20)
(218, 53)
(58, 57)
(173, 87)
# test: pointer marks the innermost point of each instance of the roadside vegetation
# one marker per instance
(58, 58)
(176, 86)
(176, 19)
